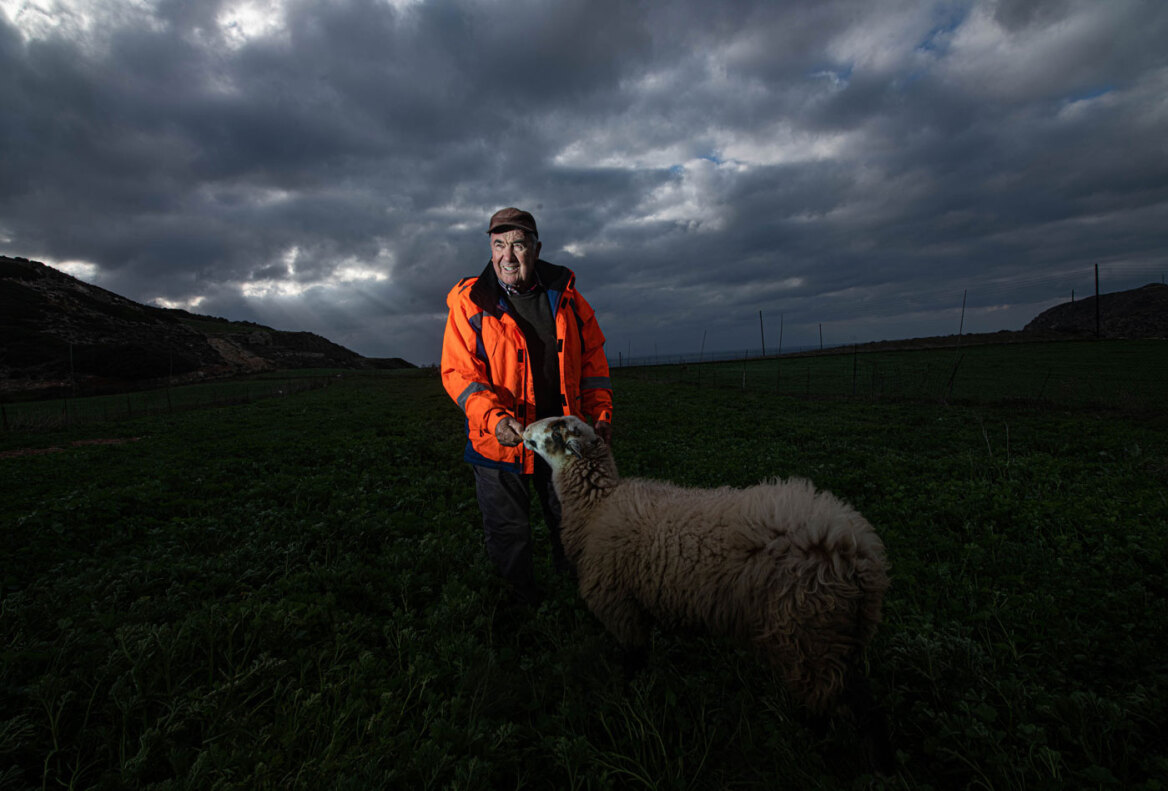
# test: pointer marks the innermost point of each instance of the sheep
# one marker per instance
(795, 572)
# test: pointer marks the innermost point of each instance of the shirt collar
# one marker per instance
(512, 290)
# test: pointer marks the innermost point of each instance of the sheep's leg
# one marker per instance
(809, 633)
(629, 624)
(625, 620)
(818, 681)
(812, 663)
(855, 704)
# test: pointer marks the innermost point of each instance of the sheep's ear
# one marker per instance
(576, 444)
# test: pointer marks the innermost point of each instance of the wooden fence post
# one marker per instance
(952, 376)
(961, 326)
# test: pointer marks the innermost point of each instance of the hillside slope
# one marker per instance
(1137, 313)
(57, 331)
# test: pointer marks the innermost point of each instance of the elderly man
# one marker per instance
(521, 344)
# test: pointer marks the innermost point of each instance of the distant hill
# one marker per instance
(58, 333)
(1138, 313)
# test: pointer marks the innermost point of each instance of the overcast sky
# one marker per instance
(330, 165)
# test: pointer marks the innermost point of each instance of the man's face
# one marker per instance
(513, 256)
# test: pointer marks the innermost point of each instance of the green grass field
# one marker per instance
(292, 593)
(1114, 373)
(56, 413)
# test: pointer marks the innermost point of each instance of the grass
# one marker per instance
(56, 413)
(292, 593)
(1131, 374)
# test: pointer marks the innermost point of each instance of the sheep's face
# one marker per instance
(558, 439)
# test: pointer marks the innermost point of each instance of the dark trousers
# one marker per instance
(505, 501)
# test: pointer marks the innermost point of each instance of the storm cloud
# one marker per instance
(330, 166)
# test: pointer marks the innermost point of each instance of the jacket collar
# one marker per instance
(487, 293)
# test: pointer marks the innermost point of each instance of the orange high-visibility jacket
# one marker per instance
(487, 371)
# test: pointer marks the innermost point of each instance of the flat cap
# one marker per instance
(512, 218)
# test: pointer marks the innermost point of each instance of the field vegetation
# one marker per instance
(55, 413)
(1130, 374)
(292, 593)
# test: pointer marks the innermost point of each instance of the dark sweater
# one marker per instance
(533, 314)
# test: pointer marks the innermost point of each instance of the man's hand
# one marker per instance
(604, 431)
(509, 432)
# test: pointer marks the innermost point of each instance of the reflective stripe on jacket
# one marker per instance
(486, 370)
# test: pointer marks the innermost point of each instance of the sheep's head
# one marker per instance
(559, 439)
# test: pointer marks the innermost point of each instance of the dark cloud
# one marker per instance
(330, 166)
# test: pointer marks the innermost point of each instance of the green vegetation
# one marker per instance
(292, 593)
(1131, 374)
(56, 413)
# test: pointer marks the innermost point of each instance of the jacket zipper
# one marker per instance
(524, 361)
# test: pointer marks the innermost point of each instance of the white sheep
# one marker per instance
(794, 571)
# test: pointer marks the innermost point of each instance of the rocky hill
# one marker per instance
(1138, 313)
(58, 333)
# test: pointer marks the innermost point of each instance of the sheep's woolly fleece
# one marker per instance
(795, 571)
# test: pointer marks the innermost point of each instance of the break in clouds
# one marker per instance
(330, 166)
